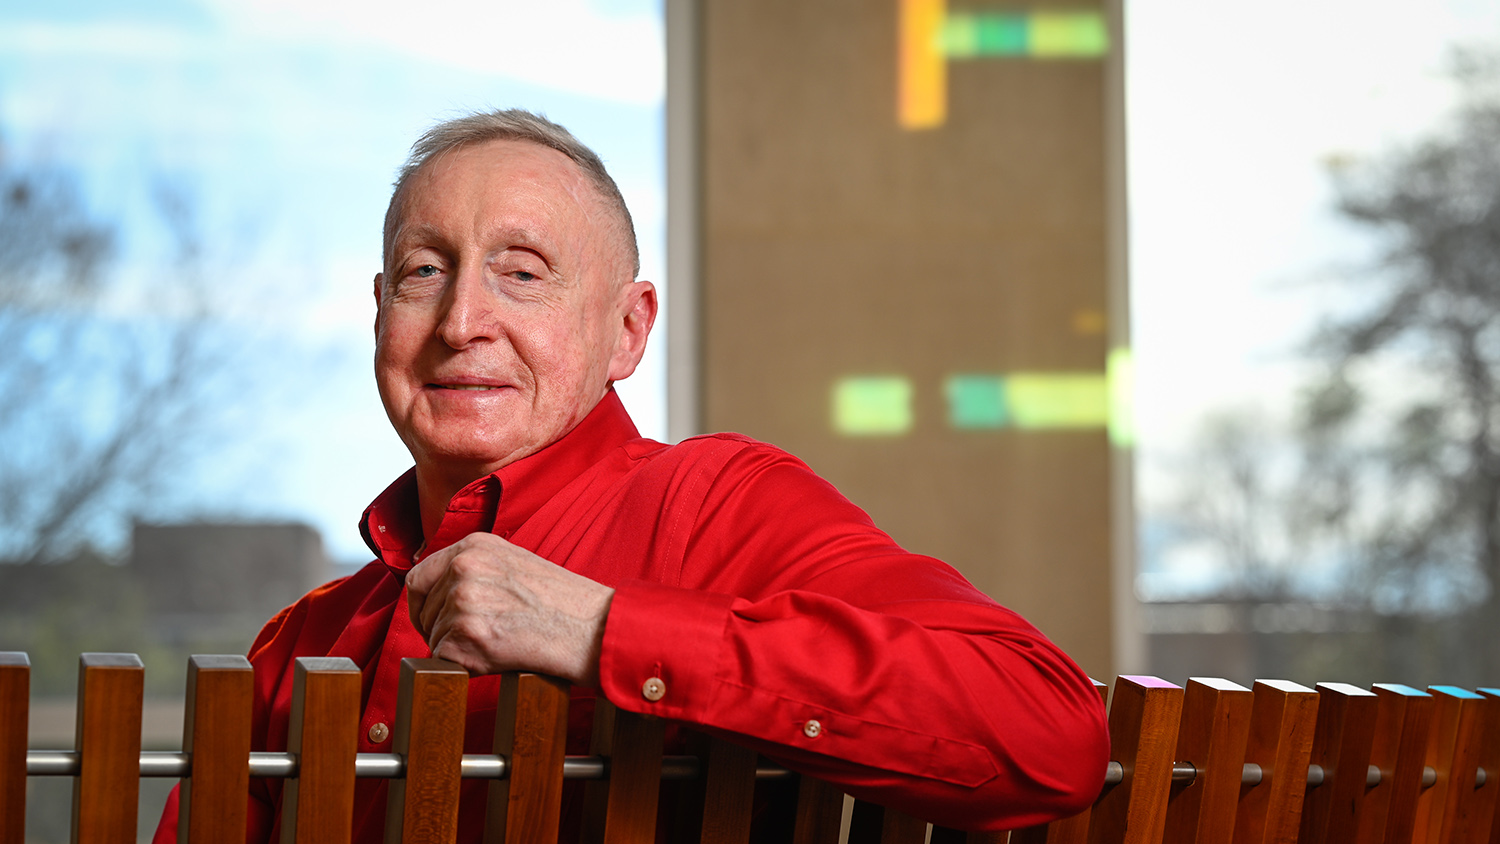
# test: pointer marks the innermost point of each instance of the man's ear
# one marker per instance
(637, 313)
(379, 288)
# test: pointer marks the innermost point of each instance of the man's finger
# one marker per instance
(424, 574)
(419, 583)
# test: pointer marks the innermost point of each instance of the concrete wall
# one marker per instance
(833, 249)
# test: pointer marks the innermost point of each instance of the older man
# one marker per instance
(716, 582)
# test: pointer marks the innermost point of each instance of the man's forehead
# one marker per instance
(516, 189)
(507, 178)
(504, 161)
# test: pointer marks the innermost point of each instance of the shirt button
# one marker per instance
(812, 729)
(379, 732)
(654, 689)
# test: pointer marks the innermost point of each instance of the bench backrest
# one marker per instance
(1214, 762)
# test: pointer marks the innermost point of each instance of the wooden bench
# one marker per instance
(1213, 762)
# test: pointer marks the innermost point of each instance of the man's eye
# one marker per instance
(522, 275)
(426, 271)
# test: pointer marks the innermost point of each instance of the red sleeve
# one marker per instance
(800, 629)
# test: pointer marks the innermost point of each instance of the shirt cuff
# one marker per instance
(661, 648)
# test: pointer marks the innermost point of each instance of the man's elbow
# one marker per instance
(1082, 781)
(1058, 777)
(1078, 757)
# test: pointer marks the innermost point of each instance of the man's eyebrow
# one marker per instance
(419, 233)
(516, 235)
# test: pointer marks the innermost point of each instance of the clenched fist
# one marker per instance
(491, 606)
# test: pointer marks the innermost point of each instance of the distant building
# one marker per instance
(1243, 640)
(206, 577)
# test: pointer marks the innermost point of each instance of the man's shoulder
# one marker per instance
(702, 446)
(694, 467)
(349, 587)
(323, 607)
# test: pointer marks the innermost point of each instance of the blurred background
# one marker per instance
(1289, 351)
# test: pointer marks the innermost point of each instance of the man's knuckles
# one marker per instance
(468, 562)
(469, 629)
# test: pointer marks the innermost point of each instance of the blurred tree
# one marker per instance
(102, 379)
(1390, 478)
(1403, 436)
(1234, 490)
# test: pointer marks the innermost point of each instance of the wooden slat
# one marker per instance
(622, 809)
(1143, 721)
(1281, 733)
(318, 804)
(107, 788)
(820, 812)
(1071, 830)
(1341, 747)
(729, 793)
(718, 806)
(531, 732)
(1487, 799)
(422, 807)
(1403, 718)
(1448, 813)
(15, 701)
(1212, 738)
(1492, 771)
(216, 731)
(874, 824)
(1464, 738)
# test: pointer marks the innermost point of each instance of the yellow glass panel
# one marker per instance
(872, 405)
(1060, 400)
(922, 87)
(1068, 35)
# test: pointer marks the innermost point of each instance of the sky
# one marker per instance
(285, 121)
(1234, 112)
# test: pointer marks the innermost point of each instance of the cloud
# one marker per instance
(566, 45)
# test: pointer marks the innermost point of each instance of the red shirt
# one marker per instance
(761, 597)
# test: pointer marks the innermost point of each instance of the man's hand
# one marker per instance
(491, 606)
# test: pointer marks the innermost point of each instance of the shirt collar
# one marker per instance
(499, 502)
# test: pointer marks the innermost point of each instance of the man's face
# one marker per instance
(505, 309)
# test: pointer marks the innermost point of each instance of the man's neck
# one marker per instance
(433, 500)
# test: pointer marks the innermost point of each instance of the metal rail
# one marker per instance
(1186, 772)
(65, 763)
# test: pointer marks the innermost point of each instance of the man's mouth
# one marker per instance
(466, 387)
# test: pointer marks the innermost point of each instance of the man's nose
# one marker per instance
(470, 311)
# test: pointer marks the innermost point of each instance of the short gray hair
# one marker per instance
(512, 124)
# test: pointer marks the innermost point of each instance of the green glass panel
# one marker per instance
(976, 401)
(1002, 34)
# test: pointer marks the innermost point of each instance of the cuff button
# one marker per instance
(654, 689)
(812, 729)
